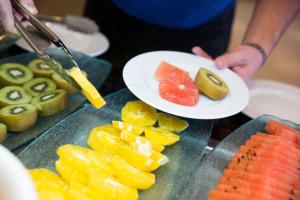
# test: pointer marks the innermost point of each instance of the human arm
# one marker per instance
(269, 20)
(6, 13)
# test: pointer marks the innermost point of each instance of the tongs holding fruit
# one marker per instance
(73, 76)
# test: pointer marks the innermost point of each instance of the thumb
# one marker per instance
(229, 59)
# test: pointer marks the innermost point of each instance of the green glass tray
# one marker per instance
(97, 70)
(185, 156)
(213, 164)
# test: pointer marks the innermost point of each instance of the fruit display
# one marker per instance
(211, 84)
(35, 90)
(175, 85)
(120, 161)
(263, 168)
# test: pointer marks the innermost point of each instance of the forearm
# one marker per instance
(269, 20)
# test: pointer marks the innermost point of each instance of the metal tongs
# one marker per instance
(55, 66)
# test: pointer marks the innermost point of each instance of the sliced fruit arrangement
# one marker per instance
(120, 162)
(263, 168)
(175, 85)
(36, 85)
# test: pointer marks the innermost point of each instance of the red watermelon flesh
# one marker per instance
(260, 183)
(183, 93)
(236, 179)
(284, 185)
(169, 72)
(251, 189)
(255, 165)
(220, 195)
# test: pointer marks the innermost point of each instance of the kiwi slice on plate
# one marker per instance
(38, 86)
(40, 68)
(14, 74)
(51, 102)
(63, 84)
(10, 95)
(3, 132)
(18, 117)
(211, 84)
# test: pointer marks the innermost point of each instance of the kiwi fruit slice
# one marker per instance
(14, 74)
(38, 86)
(18, 117)
(10, 95)
(211, 84)
(40, 68)
(63, 84)
(51, 102)
(3, 132)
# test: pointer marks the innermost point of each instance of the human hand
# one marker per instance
(243, 60)
(6, 13)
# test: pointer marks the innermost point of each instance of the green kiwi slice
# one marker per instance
(51, 102)
(18, 117)
(3, 132)
(211, 84)
(40, 68)
(10, 95)
(38, 86)
(14, 74)
(63, 84)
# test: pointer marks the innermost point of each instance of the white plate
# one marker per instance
(274, 98)
(15, 181)
(89, 44)
(139, 77)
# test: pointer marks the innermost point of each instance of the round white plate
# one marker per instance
(139, 77)
(15, 181)
(89, 44)
(274, 98)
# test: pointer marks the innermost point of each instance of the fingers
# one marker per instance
(6, 15)
(230, 59)
(29, 5)
(200, 52)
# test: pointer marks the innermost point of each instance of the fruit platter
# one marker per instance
(256, 161)
(34, 98)
(125, 150)
(185, 85)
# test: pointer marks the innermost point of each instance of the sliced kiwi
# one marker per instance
(63, 84)
(38, 86)
(10, 95)
(40, 68)
(14, 74)
(51, 102)
(211, 84)
(18, 117)
(3, 132)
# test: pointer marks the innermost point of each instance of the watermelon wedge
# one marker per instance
(169, 72)
(267, 166)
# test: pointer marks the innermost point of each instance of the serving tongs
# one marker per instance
(55, 66)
